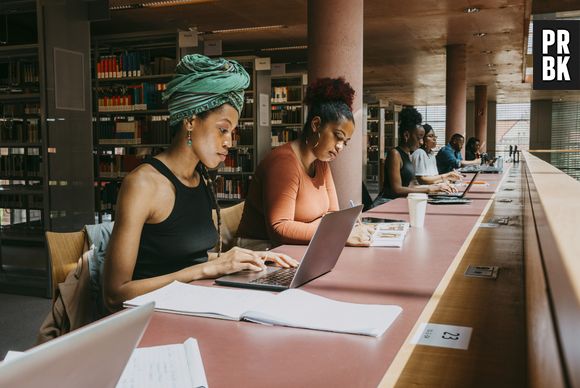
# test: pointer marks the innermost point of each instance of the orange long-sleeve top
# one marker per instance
(284, 204)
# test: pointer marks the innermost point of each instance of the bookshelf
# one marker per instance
(374, 125)
(288, 112)
(130, 122)
(44, 133)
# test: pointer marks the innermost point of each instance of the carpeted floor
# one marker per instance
(20, 318)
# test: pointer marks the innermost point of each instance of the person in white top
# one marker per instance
(425, 164)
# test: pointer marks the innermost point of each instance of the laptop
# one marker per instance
(452, 198)
(92, 356)
(320, 257)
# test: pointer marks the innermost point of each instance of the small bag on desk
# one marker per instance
(72, 307)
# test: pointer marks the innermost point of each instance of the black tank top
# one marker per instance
(407, 174)
(184, 237)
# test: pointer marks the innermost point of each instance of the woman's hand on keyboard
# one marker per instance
(239, 259)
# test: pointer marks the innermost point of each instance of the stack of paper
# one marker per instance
(391, 234)
(293, 307)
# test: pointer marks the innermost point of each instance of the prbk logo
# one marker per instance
(556, 54)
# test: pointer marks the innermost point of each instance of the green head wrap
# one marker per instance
(201, 84)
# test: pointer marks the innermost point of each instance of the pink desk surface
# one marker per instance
(243, 354)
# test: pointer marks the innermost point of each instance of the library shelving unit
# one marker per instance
(130, 123)
(391, 127)
(44, 128)
(374, 123)
(235, 174)
(287, 109)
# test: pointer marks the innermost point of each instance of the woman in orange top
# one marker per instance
(293, 186)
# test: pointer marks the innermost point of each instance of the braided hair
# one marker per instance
(210, 187)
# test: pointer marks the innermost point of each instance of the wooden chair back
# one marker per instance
(64, 250)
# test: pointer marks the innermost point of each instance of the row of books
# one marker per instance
(244, 134)
(20, 109)
(19, 71)
(21, 165)
(238, 160)
(132, 130)
(373, 112)
(117, 166)
(232, 188)
(286, 114)
(19, 130)
(107, 195)
(373, 126)
(248, 110)
(284, 136)
(372, 140)
(132, 64)
(143, 96)
(19, 201)
(18, 218)
(285, 94)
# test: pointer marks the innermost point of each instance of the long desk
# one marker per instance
(253, 355)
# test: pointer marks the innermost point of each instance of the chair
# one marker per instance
(231, 217)
(64, 250)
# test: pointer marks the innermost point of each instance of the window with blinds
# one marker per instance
(566, 136)
(434, 115)
(512, 127)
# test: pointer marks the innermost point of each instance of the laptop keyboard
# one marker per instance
(281, 277)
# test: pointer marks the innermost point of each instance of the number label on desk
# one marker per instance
(444, 336)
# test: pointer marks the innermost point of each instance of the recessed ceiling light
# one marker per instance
(491, 65)
(471, 10)
(246, 29)
(487, 52)
(285, 48)
(480, 34)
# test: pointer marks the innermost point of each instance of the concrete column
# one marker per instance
(335, 49)
(481, 115)
(455, 91)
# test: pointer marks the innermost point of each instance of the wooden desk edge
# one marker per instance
(396, 368)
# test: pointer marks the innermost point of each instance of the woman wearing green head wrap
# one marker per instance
(164, 228)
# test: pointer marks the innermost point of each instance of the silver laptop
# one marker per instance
(92, 356)
(320, 257)
(454, 198)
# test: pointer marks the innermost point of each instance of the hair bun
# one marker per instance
(329, 90)
(409, 118)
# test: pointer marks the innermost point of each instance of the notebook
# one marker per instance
(293, 307)
(320, 257)
(92, 356)
(451, 199)
(389, 234)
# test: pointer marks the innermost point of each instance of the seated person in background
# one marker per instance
(399, 170)
(293, 186)
(425, 164)
(449, 157)
(164, 228)
(472, 149)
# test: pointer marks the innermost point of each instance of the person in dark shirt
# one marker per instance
(472, 149)
(164, 228)
(399, 171)
(449, 157)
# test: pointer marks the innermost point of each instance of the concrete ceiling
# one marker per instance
(404, 43)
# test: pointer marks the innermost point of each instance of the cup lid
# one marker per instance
(417, 196)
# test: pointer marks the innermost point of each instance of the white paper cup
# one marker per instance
(417, 208)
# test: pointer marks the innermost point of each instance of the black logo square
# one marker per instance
(556, 50)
